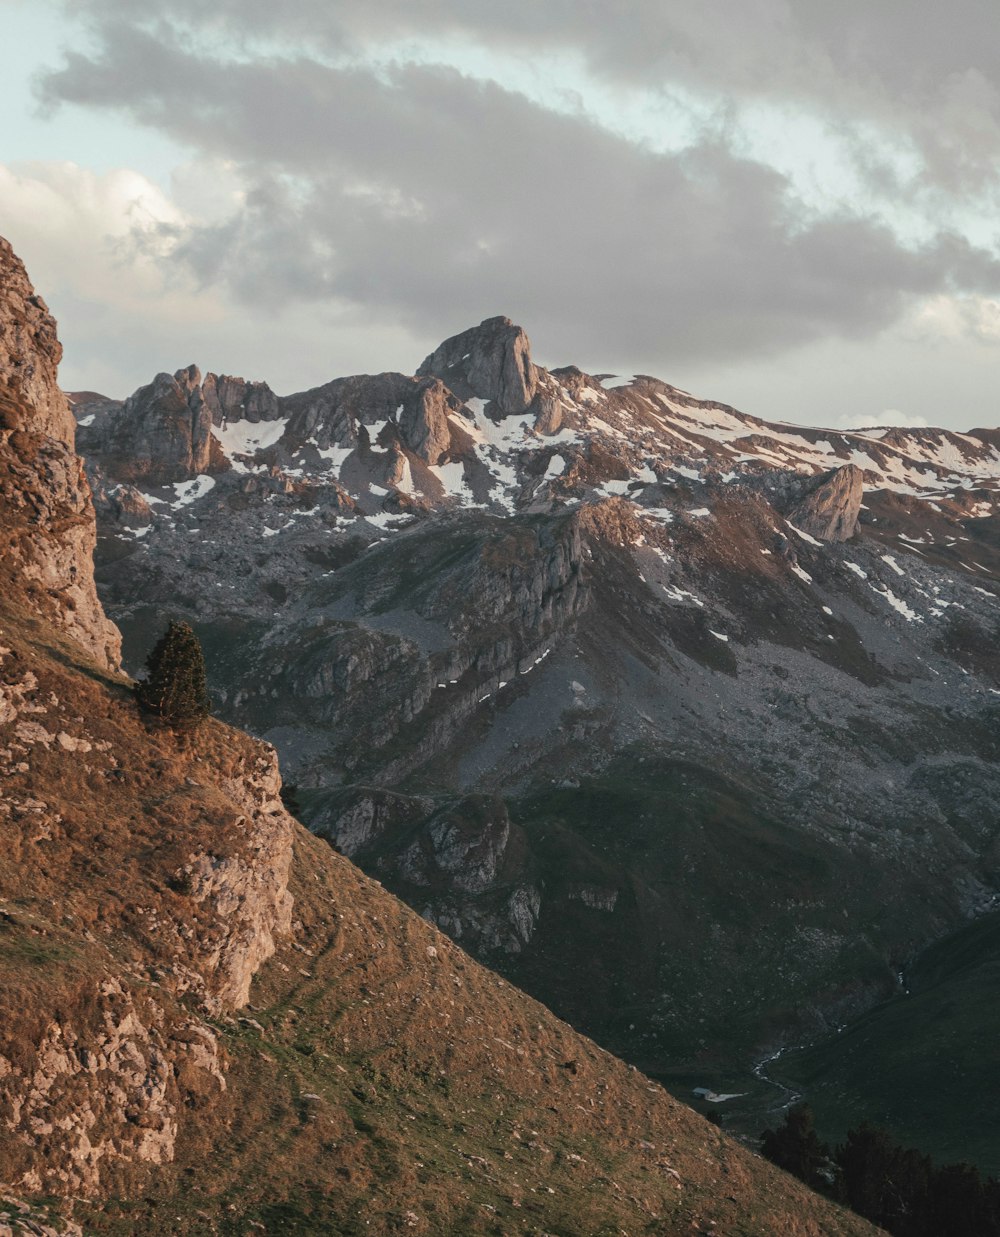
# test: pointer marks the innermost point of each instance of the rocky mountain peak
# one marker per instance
(30, 351)
(233, 399)
(491, 361)
(163, 430)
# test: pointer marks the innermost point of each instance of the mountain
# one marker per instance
(685, 721)
(213, 1023)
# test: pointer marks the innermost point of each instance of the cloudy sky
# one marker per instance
(786, 206)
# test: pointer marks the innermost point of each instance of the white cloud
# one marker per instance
(948, 317)
(889, 416)
(98, 249)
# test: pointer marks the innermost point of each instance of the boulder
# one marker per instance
(130, 507)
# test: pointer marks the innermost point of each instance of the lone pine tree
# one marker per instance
(174, 687)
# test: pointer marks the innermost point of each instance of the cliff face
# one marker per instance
(30, 351)
(830, 511)
(47, 529)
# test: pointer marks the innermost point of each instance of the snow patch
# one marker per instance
(805, 536)
(898, 604)
(248, 437)
(190, 491)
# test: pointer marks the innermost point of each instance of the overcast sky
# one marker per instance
(786, 206)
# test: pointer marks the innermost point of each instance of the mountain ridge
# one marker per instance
(766, 651)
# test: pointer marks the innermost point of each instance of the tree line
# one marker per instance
(895, 1187)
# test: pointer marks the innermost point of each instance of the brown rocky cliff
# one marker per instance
(146, 873)
(30, 350)
(830, 512)
(46, 516)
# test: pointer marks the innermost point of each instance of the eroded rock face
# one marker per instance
(831, 511)
(423, 421)
(232, 399)
(30, 350)
(162, 433)
(46, 515)
(106, 1082)
(247, 890)
(331, 415)
(491, 361)
(468, 844)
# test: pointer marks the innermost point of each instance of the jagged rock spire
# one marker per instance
(831, 511)
(491, 361)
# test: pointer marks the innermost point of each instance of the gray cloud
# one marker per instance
(433, 200)
(930, 71)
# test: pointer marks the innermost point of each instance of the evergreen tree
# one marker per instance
(174, 686)
(796, 1147)
(886, 1183)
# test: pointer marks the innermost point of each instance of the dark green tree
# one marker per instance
(886, 1183)
(174, 687)
(796, 1147)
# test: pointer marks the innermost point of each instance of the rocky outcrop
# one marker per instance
(830, 512)
(423, 420)
(162, 433)
(230, 399)
(331, 415)
(548, 414)
(491, 361)
(20, 1219)
(106, 1082)
(247, 889)
(30, 351)
(46, 516)
(466, 844)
